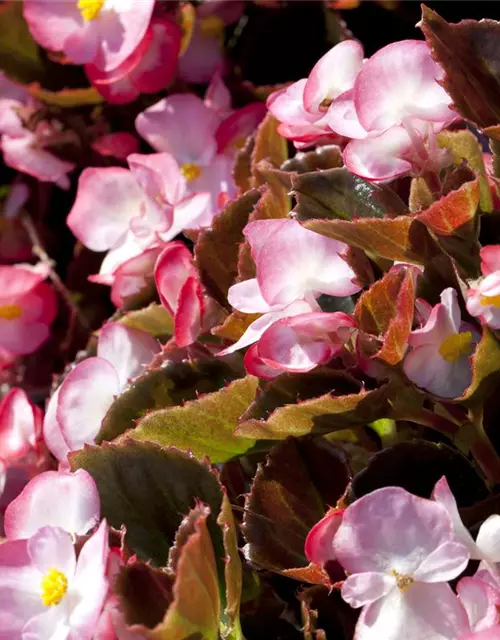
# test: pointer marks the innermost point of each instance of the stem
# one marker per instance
(433, 181)
(484, 453)
(429, 419)
(40, 252)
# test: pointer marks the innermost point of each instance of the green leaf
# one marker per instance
(468, 52)
(485, 369)
(170, 385)
(148, 489)
(204, 426)
(404, 238)
(230, 620)
(155, 320)
(19, 54)
(195, 609)
(386, 310)
(289, 494)
(216, 249)
(338, 194)
(319, 415)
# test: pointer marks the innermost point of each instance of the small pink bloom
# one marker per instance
(149, 68)
(319, 541)
(46, 591)
(439, 360)
(117, 145)
(181, 293)
(483, 299)
(399, 552)
(487, 544)
(104, 32)
(294, 267)
(300, 343)
(61, 499)
(76, 410)
(28, 307)
(481, 602)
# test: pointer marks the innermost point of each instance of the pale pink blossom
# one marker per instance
(399, 552)
(128, 211)
(481, 601)
(299, 343)
(76, 410)
(23, 149)
(46, 591)
(28, 307)
(104, 32)
(294, 267)
(439, 359)
(69, 501)
(483, 299)
(487, 544)
(148, 69)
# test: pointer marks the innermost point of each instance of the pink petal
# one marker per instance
(246, 297)
(189, 312)
(128, 350)
(181, 125)
(287, 105)
(172, 269)
(51, 22)
(159, 176)
(424, 611)
(390, 529)
(117, 145)
(19, 194)
(189, 214)
(319, 541)
(106, 200)
(255, 366)
(490, 259)
(23, 154)
(90, 585)
(333, 74)
(342, 117)
(17, 425)
(217, 180)
(133, 275)
(488, 539)
(385, 93)
(22, 338)
(52, 434)
(444, 563)
(235, 129)
(69, 501)
(84, 399)
(203, 57)
(481, 602)
(52, 548)
(360, 589)
(218, 96)
(488, 634)
(380, 157)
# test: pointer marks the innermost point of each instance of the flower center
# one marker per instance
(10, 312)
(456, 346)
(54, 586)
(486, 301)
(90, 9)
(190, 171)
(403, 581)
(212, 26)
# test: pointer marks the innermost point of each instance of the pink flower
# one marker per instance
(126, 212)
(294, 266)
(46, 591)
(181, 293)
(104, 32)
(319, 542)
(28, 307)
(76, 410)
(148, 69)
(23, 149)
(69, 501)
(185, 127)
(299, 343)
(481, 602)
(117, 145)
(399, 552)
(439, 360)
(483, 299)
(487, 544)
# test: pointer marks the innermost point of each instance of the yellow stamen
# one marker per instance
(90, 9)
(212, 26)
(402, 581)
(10, 312)
(54, 585)
(191, 171)
(456, 346)
(486, 301)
